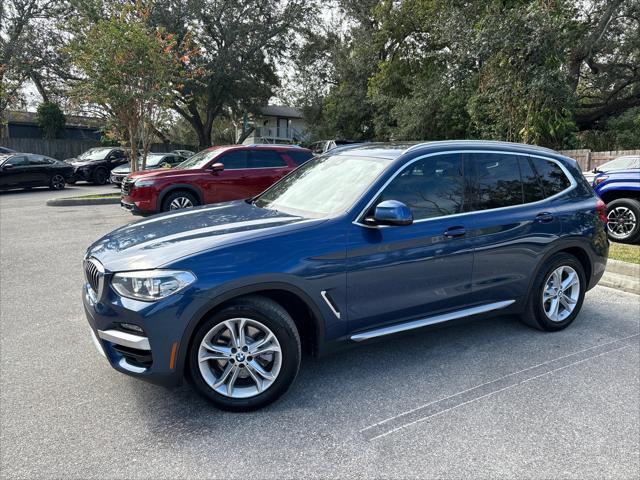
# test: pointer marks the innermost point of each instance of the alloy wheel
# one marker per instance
(57, 181)
(621, 222)
(240, 358)
(180, 202)
(561, 293)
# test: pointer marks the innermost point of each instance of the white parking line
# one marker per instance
(386, 420)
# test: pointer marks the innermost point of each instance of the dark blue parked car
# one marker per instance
(365, 243)
(620, 190)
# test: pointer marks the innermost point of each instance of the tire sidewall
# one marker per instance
(535, 302)
(103, 171)
(632, 205)
(53, 187)
(166, 202)
(291, 354)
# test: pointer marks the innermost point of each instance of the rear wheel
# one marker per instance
(246, 355)
(557, 294)
(57, 182)
(179, 200)
(100, 176)
(623, 220)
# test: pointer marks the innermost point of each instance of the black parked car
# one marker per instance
(26, 170)
(95, 165)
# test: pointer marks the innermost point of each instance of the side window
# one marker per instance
(234, 160)
(551, 176)
(299, 157)
(266, 159)
(117, 154)
(531, 185)
(432, 187)
(497, 180)
(17, 161)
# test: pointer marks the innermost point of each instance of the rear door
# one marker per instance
(265, 168)
(512, 225)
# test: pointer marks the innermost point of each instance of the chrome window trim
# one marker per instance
(360, 217)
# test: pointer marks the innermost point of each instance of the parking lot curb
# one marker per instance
(76, 201)
(622, 276)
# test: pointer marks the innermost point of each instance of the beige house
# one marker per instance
(276, 124)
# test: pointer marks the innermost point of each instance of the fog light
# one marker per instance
(133, 328)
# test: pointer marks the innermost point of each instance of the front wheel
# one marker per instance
(623, 220)
(179, 200)
(245, 356)
(57, 182)
(557, 294)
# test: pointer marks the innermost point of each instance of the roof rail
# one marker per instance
(476, 142)
(263, 145)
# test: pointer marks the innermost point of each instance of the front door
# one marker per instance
(399, 273)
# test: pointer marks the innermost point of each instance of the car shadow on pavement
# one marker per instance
(350, 389)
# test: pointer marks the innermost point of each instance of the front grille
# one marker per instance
(126, 186)
(93, 275)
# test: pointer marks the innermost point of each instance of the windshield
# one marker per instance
(199, 160)
(95, 154)
(620, 163)
(323, 186)
(155, 160)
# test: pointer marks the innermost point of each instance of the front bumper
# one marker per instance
(117, 178)
(82, 174)
(157, 353)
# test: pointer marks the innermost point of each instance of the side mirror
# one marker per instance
(6, 167)
(392, 212)
(217, 168)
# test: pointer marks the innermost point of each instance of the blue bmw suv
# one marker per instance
(352, 246)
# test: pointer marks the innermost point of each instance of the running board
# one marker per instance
(445, 317)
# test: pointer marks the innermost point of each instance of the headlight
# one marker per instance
(601, 179)
(150, 285)
(143, 183)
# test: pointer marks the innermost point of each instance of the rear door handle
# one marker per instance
(544, 217)
(455, 232)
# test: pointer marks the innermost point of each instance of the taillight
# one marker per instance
(601, 209)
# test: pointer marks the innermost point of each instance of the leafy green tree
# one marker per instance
(127, 68)
(238, 46)
(51, 119)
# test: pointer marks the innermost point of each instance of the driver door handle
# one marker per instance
(544, 217)
(452, 232)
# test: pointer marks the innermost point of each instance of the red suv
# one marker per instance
(218, 174)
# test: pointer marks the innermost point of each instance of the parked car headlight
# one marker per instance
(143, 183)
(150, 285)
(601, 179)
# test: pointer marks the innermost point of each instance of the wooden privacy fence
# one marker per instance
(61, 148)
(589, 160)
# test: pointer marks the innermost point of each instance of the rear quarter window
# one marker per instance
(552, 177)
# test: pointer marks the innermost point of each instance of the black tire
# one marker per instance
(57, 182)
(271, 315)
(176, 197)
(100, 176)
(534, 314)
(629, 209)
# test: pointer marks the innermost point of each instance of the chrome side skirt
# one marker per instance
(445, 317)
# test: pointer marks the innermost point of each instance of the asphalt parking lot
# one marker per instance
(490, 398)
